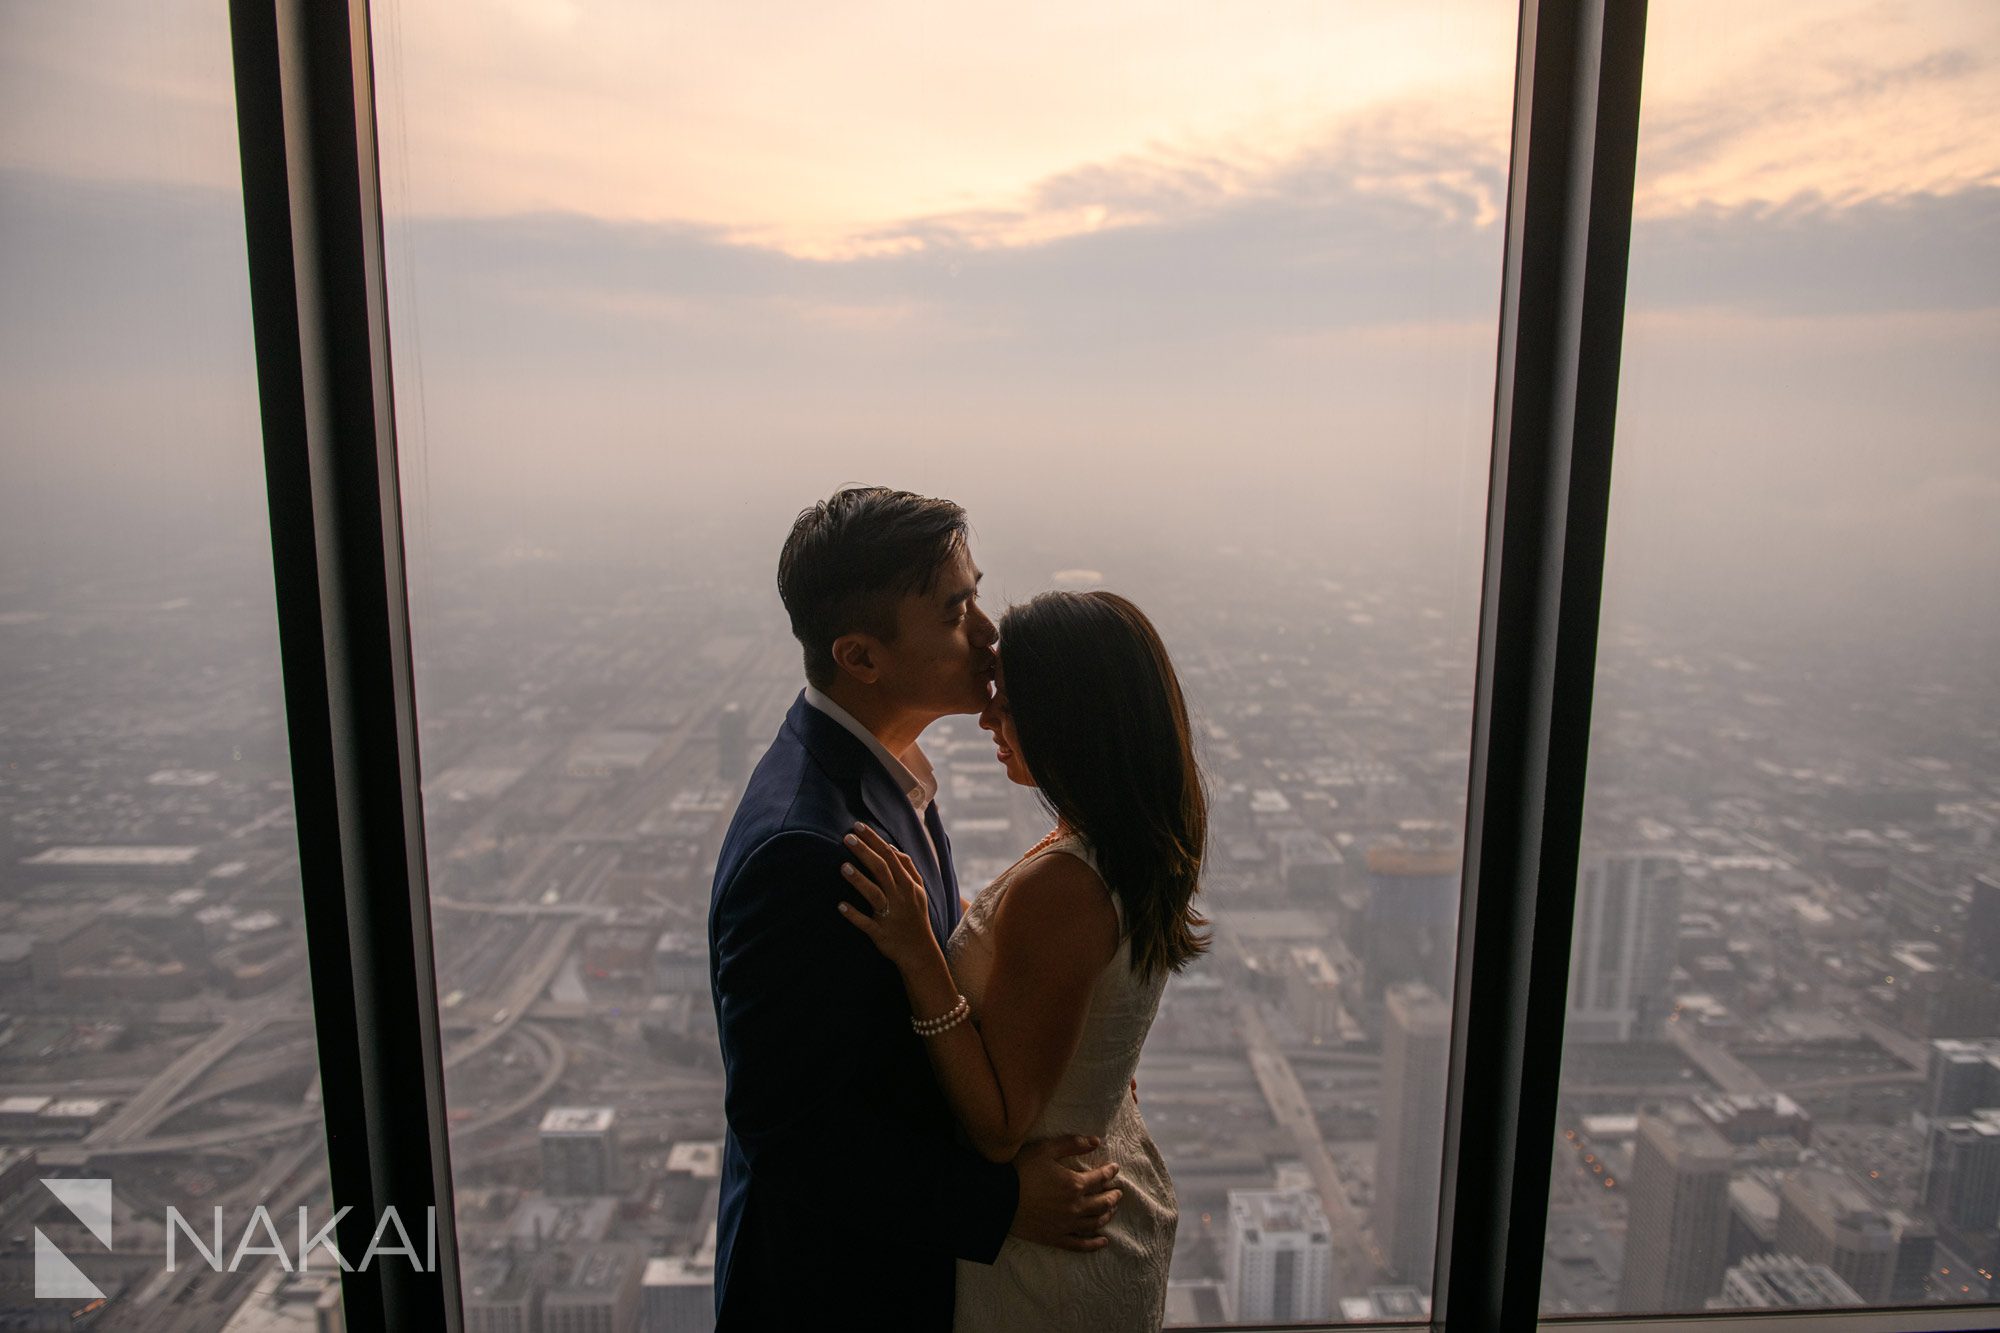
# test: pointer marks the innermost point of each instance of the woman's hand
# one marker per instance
(894, 890)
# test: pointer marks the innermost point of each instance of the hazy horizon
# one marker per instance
(1212, 304)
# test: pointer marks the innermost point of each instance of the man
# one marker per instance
(846, 1197)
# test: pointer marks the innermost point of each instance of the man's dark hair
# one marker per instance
(852, 557)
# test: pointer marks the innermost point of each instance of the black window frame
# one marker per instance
(305, 121)
(311, 189)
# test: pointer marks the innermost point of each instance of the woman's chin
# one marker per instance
(1016, 772)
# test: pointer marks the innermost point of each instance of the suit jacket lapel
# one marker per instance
(897, 819)
(848, 761)
(947, 870)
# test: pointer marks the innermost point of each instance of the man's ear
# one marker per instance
(859, 656)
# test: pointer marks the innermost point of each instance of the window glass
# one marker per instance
(157, 1051)
(1779, 1081)
(1196, 306)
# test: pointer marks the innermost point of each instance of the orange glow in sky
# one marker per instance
(853, 130)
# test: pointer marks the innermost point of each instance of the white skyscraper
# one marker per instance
(1628, 910)
(1280, 1263)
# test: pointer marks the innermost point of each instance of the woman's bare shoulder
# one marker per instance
(1060, 898)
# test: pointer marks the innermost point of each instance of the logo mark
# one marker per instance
(89, 1201)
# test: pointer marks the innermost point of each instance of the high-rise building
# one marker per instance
(1745, 1117)
(732, 750)
(1964, 1005)
(594, 1290)
(1628, 909)
(540, 1222)
(680, 964)
(1781, 1282)
(1280, 1261)
(1409, 929)
(1961, 1185)
(580, 1150)
(677, 1295)
(1826, 1218)
(1313, 987)
(1753, 1215)
(501, 1292)
(1981, 955)
(1409, 1147)
(1309, 864)
(1677, 1228)
(1403, 1304)
(1964, 1076)
(1916, 1256)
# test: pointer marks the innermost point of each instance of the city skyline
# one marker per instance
(1200, 307)
(568, 869)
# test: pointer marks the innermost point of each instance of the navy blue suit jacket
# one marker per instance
(845, 1192)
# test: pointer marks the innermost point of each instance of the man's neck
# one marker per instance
(897, 728)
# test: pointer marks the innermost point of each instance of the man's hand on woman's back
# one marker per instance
(1063, 1205)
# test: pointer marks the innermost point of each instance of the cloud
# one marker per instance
(99, 278)
(1320, 318)
(1689, 136)
(1197, 261)
(1845, 102)
(1315, 248)
(1811, 256)
(112, 90)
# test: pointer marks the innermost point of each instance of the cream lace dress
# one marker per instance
(1124, 1285)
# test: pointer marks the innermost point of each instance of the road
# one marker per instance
(142, 1112)
(511, 946)
(1725, 1070)
(1355, 1268)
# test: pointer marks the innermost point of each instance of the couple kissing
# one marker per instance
(932, 1119)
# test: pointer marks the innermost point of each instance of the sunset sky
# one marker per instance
(1235, 256)
(783, 124)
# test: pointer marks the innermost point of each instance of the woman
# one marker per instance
(1059, 963)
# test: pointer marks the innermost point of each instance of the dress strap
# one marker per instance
(1072, 843)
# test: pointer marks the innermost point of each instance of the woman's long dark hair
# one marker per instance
(1104, 732)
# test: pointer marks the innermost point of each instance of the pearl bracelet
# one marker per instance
(944, 1022)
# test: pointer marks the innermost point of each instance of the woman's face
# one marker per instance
(998, 720)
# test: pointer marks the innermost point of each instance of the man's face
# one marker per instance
(942, 661)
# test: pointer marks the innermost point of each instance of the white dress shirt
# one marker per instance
(911, 772)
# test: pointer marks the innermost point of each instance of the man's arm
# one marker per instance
(800, 997)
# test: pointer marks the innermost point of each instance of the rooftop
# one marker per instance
(701, 1159)
(1295, 1214)
(579, 1120)
(114, 856)
(540, 1221)
(1784, 1281)
(678, 1272)
(598, 1268)
(498, 1276)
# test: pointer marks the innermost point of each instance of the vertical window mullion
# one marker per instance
(305, 123)
(1569, 219)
